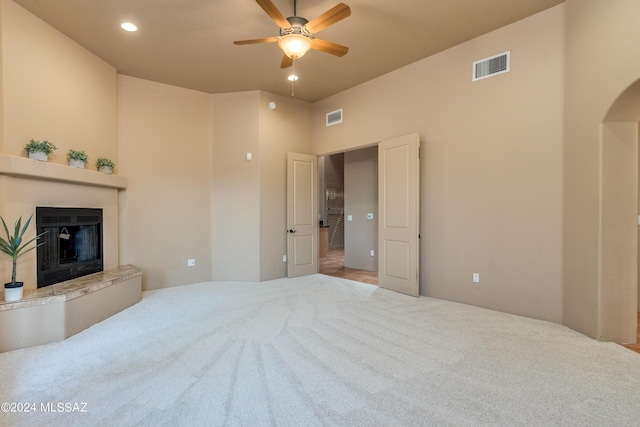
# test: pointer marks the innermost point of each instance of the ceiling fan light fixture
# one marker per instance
(128, 26)
(294, 45)
(292, 78)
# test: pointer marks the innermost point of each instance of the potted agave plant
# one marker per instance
(105, 165)
(77, 158)
(39, 150)
(14, 247)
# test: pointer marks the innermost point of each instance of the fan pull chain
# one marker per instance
(293, 77)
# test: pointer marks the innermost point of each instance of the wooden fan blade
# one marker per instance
(274, 13)
(254, 41)
(329, 47)
(286, 62)
(330, 17)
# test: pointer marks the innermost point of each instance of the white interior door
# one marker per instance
(398, 210)
(302, 214)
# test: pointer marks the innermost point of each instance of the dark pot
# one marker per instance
(14, 285)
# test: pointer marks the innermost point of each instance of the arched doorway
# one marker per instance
(618, 278)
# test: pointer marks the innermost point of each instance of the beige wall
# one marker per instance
(249, 196)
(599, 67)
(618, 231)
(165, 135)
(54, 89)
(360, 199)
(236, 186)
(3, 15)
(491, 163)
(287, 128)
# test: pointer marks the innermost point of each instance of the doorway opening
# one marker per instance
(348, 186)
(619, 183)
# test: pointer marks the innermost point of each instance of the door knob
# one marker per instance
(291, 231)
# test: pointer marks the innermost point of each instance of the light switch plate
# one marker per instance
(369, 216)
(349, 217)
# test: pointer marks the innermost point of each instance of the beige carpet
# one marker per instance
(315, 351)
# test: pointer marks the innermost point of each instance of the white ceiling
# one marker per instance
(188, 43)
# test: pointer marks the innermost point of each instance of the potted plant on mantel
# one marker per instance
(105, 165)
(39, 150)
(77, 158)
(14, 247)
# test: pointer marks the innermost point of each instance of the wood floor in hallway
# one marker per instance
(333, 265)
(635, 347)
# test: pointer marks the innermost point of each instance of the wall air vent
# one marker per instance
(492, 66)
(334, 117)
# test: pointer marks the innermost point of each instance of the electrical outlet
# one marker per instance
(476, 278)
(284, 258)
(191, 262)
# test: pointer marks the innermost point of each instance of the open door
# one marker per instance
(398, 211)
(302, 214)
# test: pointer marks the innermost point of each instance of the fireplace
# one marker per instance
(72, 244)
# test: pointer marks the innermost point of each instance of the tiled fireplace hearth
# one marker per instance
(26, 184)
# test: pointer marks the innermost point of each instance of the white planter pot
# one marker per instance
(13, 294)
(76, 163)
(38, 155)
(105, 169)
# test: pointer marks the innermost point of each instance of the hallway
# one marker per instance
(333, 265)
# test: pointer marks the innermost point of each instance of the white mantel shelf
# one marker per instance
(33, 169)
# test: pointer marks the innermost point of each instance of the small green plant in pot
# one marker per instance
(39, 150)
(14, 247)
(105, 165)
(77, 158)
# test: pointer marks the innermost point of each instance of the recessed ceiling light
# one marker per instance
(128, 26)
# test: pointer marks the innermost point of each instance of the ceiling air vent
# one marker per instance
(334, 117)
(492, 66)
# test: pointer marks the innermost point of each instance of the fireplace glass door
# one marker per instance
(72, 243)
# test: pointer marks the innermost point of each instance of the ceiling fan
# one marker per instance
(297, 34)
